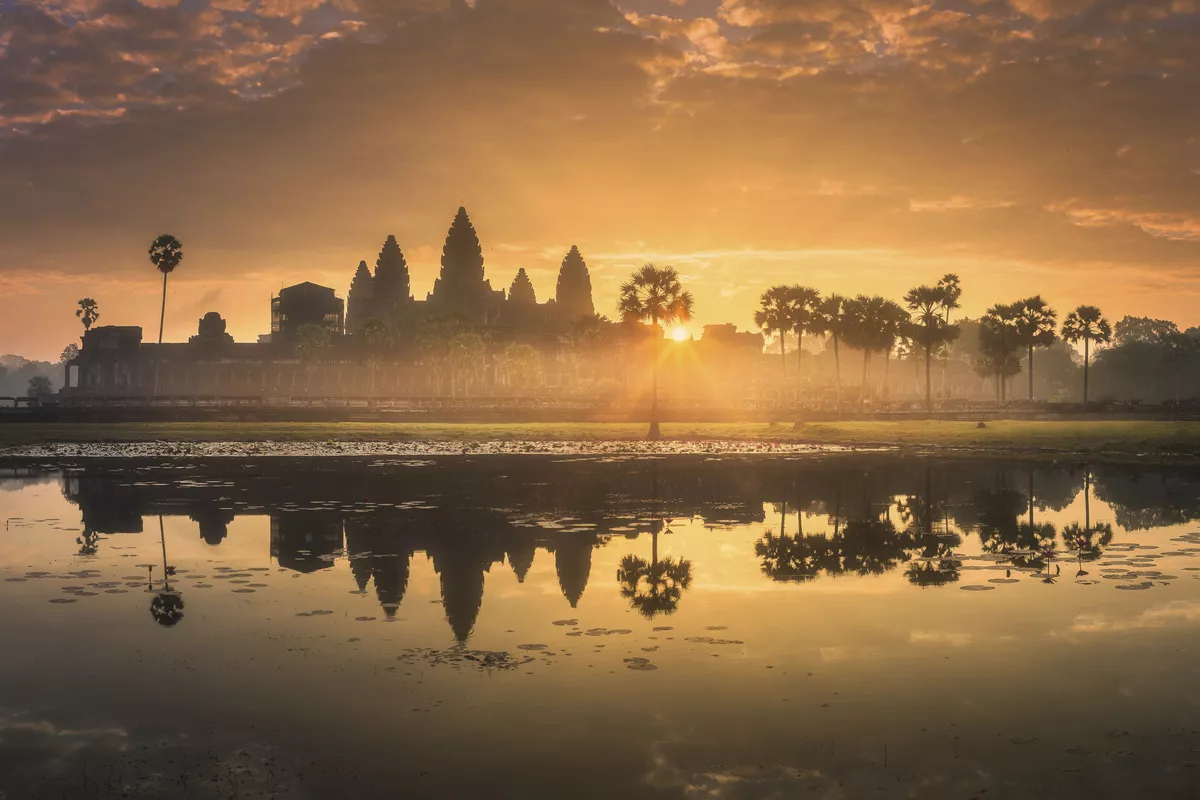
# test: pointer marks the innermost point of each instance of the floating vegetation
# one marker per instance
(460, 657)
(640, 664)
(976, 587)
(711, 640)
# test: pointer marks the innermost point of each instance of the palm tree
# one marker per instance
(88, 312)
(1035, 322)
(1088, 325)
(868, 328)
(656, 296)
(928, 309)
(999, 343)
(831, 321)
(165, 254)
(894, 327)
(774, 316)
(951, 293)
(376, 339)
(802, 318)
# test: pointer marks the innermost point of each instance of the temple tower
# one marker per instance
(574, 292)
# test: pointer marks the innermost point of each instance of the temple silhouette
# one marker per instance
(464, 339)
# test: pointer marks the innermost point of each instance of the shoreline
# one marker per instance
(1122, 440)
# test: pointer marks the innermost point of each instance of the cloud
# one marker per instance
(285, 140)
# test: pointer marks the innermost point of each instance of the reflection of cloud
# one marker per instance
(941, 637)
(41, 758)
(1173, 614)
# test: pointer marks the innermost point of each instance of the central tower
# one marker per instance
(461, 289)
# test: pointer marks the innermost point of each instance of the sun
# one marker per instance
(680, 334)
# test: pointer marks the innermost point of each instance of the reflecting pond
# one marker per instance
(828, 626)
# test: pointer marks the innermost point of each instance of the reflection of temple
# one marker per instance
(883, 514)
(383, 342)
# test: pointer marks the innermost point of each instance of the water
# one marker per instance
(549, 626)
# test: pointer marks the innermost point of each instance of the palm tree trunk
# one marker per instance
(1031, 372)
(1087, 499)
(887, 364)
(837, 374)
(799, 361)
(654, 431)
(1085, 370)
(783, 366)
(928, 382)
(862, 395)
(162, 317)
(162, 537)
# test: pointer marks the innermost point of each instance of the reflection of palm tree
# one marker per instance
(935, 565)
(167, 605)
(1088, 542)
(871, 547)
(167, 608)
(89, 542)
(795, 559)
(654, 587)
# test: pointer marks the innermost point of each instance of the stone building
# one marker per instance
(464, 339)
(306, 304)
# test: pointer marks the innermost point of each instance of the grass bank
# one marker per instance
(1122, 437)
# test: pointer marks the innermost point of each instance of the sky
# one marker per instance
(1030, 146)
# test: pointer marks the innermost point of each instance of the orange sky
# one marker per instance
(1047, 146)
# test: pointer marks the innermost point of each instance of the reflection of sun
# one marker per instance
(680, 334)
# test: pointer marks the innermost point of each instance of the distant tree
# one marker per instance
(930, 330)
(69, 353)
(1144, 330)
(656, 296)
(1086, 324)
(999, 345)
(832, 321)
(951, 290)
(1179, 346)
(1035, 323)
(869, 328)
(375, 339)
(39, 386)
(894, 325)
(433, 345)
(521, 361)
(311, 343)
(774, 317)
(803, 317)
(88, 312)
(466, 355)
(166, 253)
